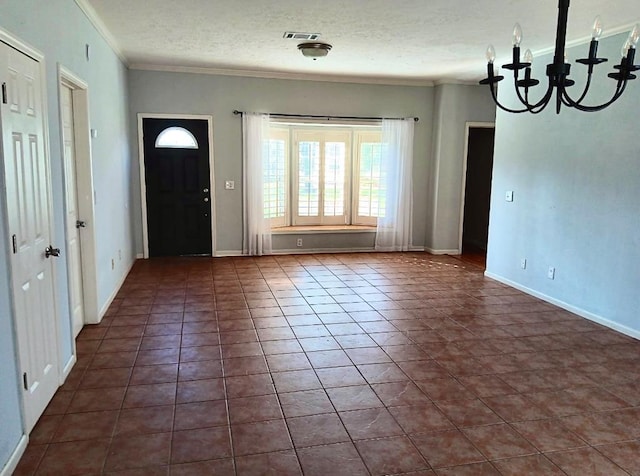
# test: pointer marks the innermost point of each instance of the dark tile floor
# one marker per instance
(349, 364)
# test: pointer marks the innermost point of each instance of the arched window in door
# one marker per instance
(176, 138)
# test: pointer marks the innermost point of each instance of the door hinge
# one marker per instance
(24, 381)
(14, 243)
(4, 93)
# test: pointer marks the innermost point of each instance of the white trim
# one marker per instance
(21, 46)
(85, 190)
(306, 251)
(143, 184)
(14, 459)
(298, 251)
(463, 82)
(609, 32)
(441, 252)
(101, 28)
(282, 75)
(228, 253)
(139, 255)
(68, 367)
(569, 307)
(284, 231)
(467, 126)
(115, 292)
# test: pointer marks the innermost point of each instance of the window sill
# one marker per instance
(319, 229)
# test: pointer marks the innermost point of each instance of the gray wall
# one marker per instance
(60, 30)
(162, 92)
(455, 105)
(575, 178)
(442, 122)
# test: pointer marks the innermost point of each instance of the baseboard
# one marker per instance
(309, 251)
(113, 295)
(227, 253)
(14, 459)
(441, 252)
(140, 256)
(569, 307)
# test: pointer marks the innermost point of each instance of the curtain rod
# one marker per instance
(313, 116)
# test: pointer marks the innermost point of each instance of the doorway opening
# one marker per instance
(80, 237)
(176, 174)
(476, 190)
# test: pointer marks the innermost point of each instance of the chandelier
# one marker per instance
(558, 71)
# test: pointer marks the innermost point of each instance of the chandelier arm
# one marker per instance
(533, 108)
(622, 84)
(584, 93)
(506, 109)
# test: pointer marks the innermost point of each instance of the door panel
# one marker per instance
(27, 202)
(74, 252)
(177, 183)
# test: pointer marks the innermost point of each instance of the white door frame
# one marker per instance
(84, 187)
(63, 367)
(143, 185)
(467, 126)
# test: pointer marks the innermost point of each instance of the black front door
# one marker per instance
(176, 160)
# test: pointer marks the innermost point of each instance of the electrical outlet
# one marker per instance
(299, 242)
(523, 263)
(229, 185)
(551, 274)
(508, 196)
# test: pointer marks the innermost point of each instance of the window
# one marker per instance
(369, 181)
(176, 138)
(323, 175)
(276, 179)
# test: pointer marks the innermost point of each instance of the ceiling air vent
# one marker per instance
(297, 35)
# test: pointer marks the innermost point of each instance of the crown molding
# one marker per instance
(609, 32)
(282, 75)
(460, 82)
(102, 29)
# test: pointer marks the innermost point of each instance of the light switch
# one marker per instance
(229, 185)
(509, 196)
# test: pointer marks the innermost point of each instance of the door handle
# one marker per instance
(51, 251)
(81, 224)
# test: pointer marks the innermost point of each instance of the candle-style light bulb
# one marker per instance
(528, 56)
(634, 36)
(597, 29)
(517, 35)
(491, 54)
(625, 47)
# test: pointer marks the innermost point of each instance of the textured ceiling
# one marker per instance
(375, 40)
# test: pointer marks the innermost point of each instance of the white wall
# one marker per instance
(455, 105)
(575, 178)
(60, 30)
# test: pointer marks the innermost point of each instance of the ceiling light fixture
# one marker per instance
(558, 71)
(314, 49)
